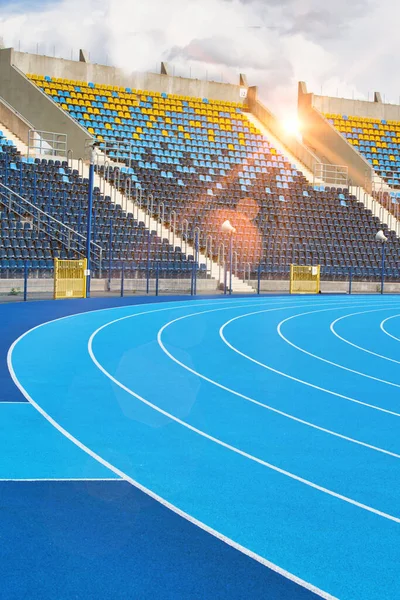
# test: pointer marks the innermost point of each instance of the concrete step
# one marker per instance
(23, 148)
(281, 147)
(141, 214)
(377, 210)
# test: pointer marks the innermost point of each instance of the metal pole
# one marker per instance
(383, 267)
(225, 278)
(89, 220)
(20, 179)
(122, 279)
(25, 281)
(350, 279)
(110, 254)
(157, 276)
(230, 263)
(94, 227)
(196, 259)
(259, 279)
(192, 281)
(148, 263)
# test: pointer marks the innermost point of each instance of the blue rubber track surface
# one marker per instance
(101, 540)
(273, 422)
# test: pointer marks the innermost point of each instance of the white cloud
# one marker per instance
(345, 47)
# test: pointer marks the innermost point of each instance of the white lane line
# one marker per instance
(346, 341)
(302, 381)
(18, 402)
(60, 479)
(226, 445)
(382, 326)
(325, 360)
(253, 400)
(270, 565)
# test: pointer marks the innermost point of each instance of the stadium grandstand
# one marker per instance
(170, 168)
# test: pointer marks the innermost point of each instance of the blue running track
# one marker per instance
(217, 448)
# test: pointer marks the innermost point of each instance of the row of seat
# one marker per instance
(58, 190)
(377, 140)
(215, 173)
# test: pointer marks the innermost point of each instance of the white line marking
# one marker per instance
(147, 491)
(253, 400)
(17, 402)
(221, 442)
(385, 331)
(332, 328)
(67, 479)
(307, 383)
(325, 360)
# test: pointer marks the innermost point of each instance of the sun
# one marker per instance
(291, 126)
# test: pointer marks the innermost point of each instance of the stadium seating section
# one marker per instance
(62, 193)
(204, 161)
(377, 140)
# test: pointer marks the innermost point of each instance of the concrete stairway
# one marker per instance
(21, 147)
(371, 203)
(278, 145)
(130, 205)
(377, 209)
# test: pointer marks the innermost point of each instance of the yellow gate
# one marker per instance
(304, 279)
(70, 278)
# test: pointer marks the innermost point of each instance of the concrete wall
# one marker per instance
(100, 286)
(357, 108)
(14, 121)
(262, 113)
(46, 285)
(331, 287)
(329, 144)
(28, 100)
(69, 69)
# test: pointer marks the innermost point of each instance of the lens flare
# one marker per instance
(291, 126)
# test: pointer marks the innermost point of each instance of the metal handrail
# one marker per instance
(57, 143)
(150, 207)
(209, 251)
(80, 167)
(172, 225)
(196, 244)
(221, 255)
(235, 263)
(246, 271)
(70, 158)
(185, 232)
(128, 191)
(161, 217)
(54, 228)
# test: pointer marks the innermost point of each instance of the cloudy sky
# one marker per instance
(345, 47)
